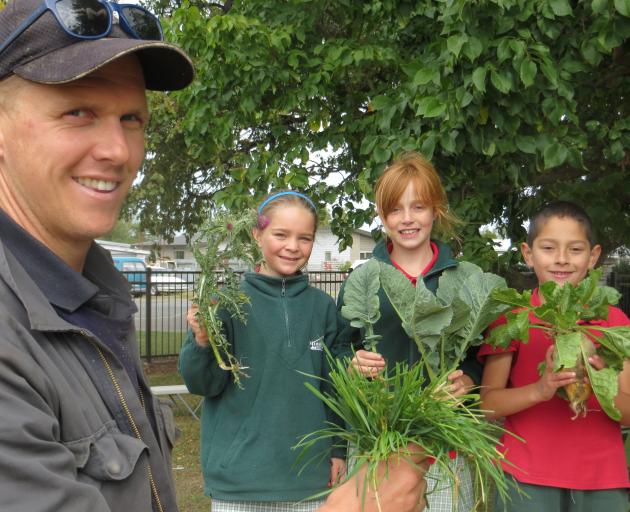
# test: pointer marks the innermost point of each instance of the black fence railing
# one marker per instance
(164, 297)
(621, 282)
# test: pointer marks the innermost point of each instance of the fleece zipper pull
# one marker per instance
(286, 311)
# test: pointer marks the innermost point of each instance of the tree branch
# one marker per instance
(225, 7)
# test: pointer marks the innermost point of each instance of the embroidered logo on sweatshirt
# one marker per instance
(317, 344)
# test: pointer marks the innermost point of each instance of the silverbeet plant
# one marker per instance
(565, 315)
(223, 238)
(411, 405)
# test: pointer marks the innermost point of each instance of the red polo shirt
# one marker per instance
(585, 453)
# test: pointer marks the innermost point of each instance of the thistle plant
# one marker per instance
(223, 238)
(411, 405)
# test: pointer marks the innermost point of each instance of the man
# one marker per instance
(79, 429)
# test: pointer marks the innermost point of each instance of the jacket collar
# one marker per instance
(42, 281)
(276, 286)
(444, 258)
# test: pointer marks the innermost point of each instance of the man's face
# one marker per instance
(69, 153)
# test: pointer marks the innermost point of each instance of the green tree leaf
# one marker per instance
(479, 79)
(501, 81)
(425, 75)
(527, 72)
(351, 81)
(473, 48)
(554, 155)
(599, 6)
(623, 7)
(455, 42)
(431, 106)
(526, 144)
(561, 7)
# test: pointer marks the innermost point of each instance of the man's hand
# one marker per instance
(401, 487)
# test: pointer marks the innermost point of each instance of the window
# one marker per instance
(179, 255)
(365, 255)
(328, 256)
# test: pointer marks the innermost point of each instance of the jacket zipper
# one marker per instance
(132, 422)
(286, 312)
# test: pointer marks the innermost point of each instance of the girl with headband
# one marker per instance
(247, 434)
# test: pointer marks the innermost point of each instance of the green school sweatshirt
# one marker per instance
(247, 434)
(395, 346)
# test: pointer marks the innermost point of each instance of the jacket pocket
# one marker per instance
(244, 441)
(167, 418)
(107, 455)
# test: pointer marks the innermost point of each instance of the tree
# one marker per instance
(124, 231)
(515, 101)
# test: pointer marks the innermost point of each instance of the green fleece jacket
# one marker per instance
(395, 346)
(247, 434)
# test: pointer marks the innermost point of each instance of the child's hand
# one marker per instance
(201, 336)
(460, 383)
(597, 362)
(368, 363)
(337, 471)
(550, 381)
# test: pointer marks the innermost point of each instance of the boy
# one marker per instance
(563, 464)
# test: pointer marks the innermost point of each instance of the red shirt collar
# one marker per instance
(425, 271)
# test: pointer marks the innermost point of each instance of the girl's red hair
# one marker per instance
(415, 169)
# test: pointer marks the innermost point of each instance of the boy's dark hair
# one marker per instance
(560, 209)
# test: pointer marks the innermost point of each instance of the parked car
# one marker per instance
(135, 271)
(165, 281)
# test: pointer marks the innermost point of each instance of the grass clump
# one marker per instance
(401, 407)
(411, 405)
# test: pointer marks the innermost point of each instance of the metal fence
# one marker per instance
(164, 297)
(621, 282)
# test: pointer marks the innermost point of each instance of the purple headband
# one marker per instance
(285, 193)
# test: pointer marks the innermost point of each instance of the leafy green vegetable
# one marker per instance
(564, 314)
(361, 301)
(412, 405)
(445, 325)
(223, 238)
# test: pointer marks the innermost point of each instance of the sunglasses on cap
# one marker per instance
(93, 19)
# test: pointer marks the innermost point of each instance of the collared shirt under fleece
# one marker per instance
(247, 434)
(585, 453)
(73, 403)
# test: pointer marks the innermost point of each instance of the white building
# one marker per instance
(326, 254)
(122, 249)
